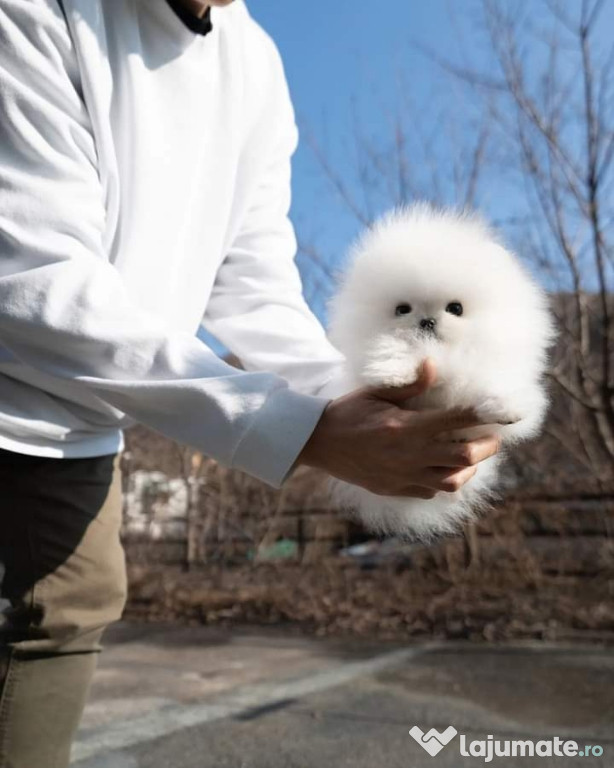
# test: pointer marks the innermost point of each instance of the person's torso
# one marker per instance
(177, 161)
(177, 122)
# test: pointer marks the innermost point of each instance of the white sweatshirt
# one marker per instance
(144, 190)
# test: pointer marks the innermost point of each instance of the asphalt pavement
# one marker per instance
(198, 697)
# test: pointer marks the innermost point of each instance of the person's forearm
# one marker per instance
(257, 308)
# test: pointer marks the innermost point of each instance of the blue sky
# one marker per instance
(340, 54)
(355, 57)
(336, 54)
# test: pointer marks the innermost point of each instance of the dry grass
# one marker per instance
(439, 597)
(540, 567)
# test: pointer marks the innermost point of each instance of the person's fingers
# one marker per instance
(427, 375)
(449, 454)
(445, 479)
(434, 480)
(435, 421)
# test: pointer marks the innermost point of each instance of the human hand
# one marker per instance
(368, 439)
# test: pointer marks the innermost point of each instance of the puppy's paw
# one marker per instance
(389, 361)
(389, 373)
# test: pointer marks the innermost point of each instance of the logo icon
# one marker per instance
(433, 741)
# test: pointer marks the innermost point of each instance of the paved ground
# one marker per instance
(168, 697)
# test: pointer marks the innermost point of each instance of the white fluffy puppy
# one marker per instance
(433, 283)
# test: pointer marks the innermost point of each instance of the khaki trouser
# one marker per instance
(64, 581)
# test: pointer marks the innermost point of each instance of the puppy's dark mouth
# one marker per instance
(429, 333)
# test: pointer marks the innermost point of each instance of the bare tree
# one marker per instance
(551, 100)
(193, 468)
(543, 114)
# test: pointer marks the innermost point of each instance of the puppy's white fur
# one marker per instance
(492, 357)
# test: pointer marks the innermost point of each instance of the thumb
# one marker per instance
(427, 375)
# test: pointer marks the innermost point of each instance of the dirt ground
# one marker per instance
(206, 697)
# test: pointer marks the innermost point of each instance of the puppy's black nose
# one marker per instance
(428, 323)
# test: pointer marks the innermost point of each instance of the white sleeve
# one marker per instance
(257, 307)
(64, 308)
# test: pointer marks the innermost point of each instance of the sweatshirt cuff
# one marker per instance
(337, 385)
(270, 447)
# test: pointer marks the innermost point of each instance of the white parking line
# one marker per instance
(169, 719)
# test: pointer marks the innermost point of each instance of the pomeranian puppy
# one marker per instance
(434, 283)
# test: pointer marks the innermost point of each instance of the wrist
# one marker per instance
(311, 453)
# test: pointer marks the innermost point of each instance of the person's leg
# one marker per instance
(64, 581)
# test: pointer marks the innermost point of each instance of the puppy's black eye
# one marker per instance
(455, 308)
(402, 309)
